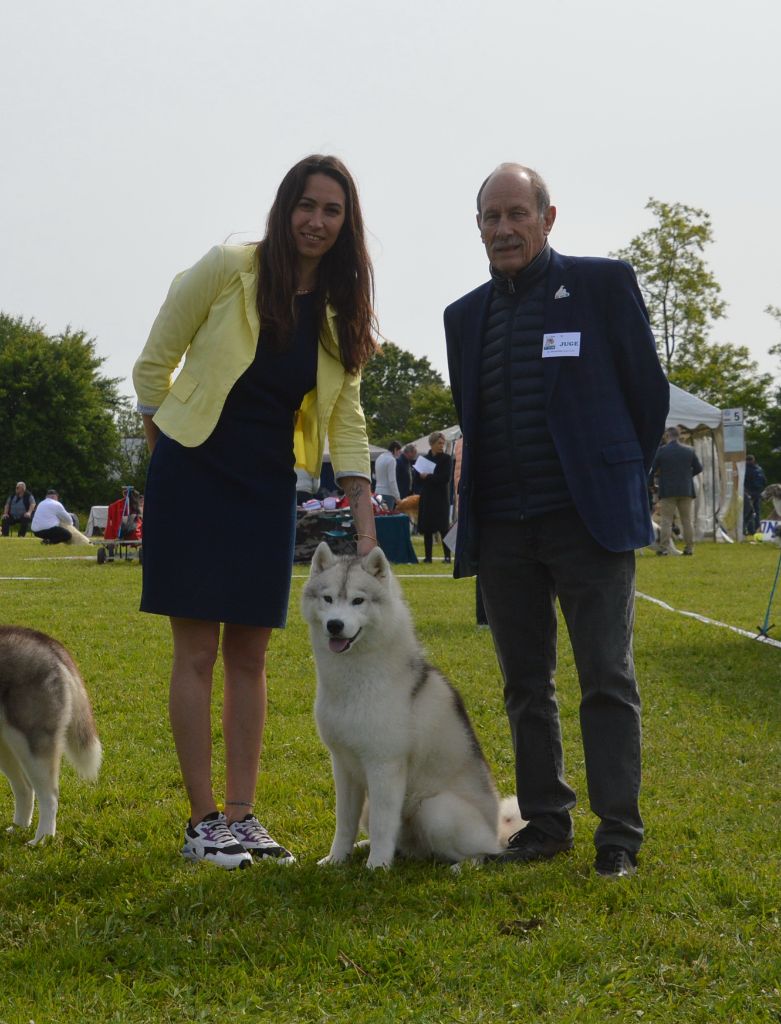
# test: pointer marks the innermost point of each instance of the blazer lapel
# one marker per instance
(249, 282)
(561, 312)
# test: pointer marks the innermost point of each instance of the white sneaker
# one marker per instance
(254, 838)
(211, 840)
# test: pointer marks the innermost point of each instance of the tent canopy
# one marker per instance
(689, 411)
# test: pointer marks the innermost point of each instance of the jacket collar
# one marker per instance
(526, 278)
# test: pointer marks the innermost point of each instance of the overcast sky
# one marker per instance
(136, 135)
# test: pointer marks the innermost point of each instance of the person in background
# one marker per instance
(51, 522)
(385, 475)
(274, 336)
(753, 485)
(562, 401)
(434, 510)
(19, 509)
(405, 474)
(676, 466)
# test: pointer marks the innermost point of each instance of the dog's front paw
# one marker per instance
(333, 858)
(378, 862)
(40, 840)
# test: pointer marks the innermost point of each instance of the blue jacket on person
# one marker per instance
(606, 403)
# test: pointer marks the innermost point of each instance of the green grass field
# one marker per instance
(108, 924)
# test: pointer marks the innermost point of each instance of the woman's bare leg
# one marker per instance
(243, 714)
(195, 651)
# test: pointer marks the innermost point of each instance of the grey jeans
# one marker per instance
(524, 566)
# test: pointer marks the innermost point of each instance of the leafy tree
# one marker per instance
(765, 443)
(132, 458)
(56, 413)
(432, 408)
(681, 293)
(775, 312)
(389, 385)
(726, 376)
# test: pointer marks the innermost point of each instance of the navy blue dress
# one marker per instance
(219, 519)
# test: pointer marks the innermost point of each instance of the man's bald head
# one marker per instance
(535, 180)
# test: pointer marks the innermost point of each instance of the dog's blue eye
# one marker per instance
(327, 599)
(357, 600)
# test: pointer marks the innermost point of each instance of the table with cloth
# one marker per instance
(337, 530)
(98, 517)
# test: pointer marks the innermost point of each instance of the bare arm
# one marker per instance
(358, 492)
(151, 431)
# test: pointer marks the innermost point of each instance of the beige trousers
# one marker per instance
(667, 508)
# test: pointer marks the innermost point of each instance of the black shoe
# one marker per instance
(532, 843)
(615, 862)
(663, 554)
(688, 553)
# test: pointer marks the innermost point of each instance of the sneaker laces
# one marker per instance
(254, 832)
(216, 831)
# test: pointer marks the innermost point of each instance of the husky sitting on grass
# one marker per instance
(396, 728)
(44, 712)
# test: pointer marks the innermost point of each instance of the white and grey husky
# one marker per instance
(396, 728)
(44, 712)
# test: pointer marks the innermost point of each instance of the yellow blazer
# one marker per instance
(210, 317)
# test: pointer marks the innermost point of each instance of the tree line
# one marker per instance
(684, 304)
(63, 423)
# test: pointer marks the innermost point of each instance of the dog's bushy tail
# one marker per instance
(77, 537)
(82, 746)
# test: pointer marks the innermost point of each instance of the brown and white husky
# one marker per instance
(44, 712)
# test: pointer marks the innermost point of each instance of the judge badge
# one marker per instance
(565, 344)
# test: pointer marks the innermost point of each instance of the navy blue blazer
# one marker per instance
(606, 407)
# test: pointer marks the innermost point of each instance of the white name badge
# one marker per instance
(566, 344)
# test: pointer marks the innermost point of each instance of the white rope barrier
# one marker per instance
(710, 622)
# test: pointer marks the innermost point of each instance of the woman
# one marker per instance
(434, 510)
(274, 337)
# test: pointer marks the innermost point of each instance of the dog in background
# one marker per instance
(44, 712)
(396, 729)
(773, 493)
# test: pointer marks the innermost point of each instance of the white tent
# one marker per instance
(717, 501)
(718, 497)
(691, 412)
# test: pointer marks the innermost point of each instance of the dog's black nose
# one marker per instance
(334, 626)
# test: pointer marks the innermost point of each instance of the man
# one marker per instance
(385, 475)
(676, 466)
(754, 483)
(562, 401)
(51, 522)
(405, 476)
(19, 508)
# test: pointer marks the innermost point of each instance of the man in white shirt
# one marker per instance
(51, 522)
(385, 475)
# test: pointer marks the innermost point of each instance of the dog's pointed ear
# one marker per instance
(376, 564)
(322, 559)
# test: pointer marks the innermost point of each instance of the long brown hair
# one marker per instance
(345, 275)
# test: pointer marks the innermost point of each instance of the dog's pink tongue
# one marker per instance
(338, 644)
